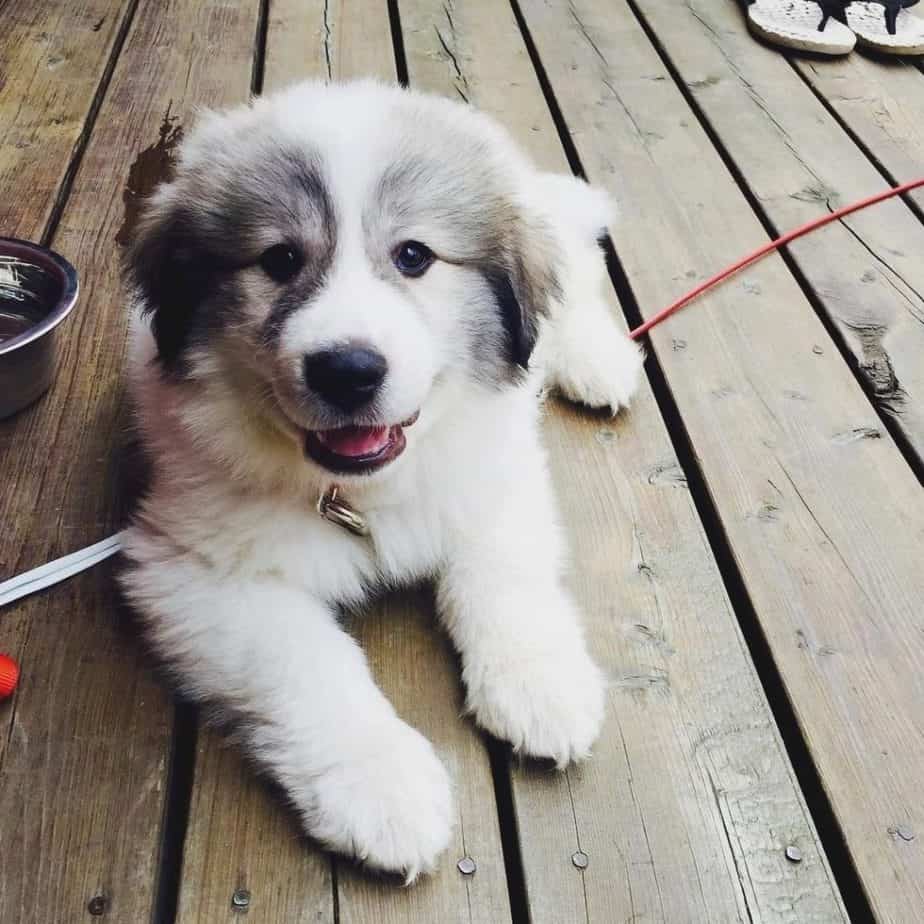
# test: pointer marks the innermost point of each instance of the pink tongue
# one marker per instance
(354, 441)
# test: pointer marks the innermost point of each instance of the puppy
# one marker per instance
(336, 303)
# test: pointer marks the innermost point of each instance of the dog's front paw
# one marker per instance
(600, 371)
(391, 809)
(548, 704)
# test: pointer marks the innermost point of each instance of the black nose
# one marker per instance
(347, 377)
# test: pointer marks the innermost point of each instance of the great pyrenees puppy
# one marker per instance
(346, 303)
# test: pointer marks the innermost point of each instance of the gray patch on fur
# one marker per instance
(318, 256)
(215, 220)
(460, 189)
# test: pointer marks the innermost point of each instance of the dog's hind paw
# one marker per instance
(391, 809)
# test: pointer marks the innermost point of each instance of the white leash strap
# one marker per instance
(58, 570)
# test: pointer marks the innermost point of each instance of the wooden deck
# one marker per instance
(748, 540)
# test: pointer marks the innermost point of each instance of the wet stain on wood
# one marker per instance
(154, 165)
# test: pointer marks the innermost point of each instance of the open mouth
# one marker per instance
(355, 449)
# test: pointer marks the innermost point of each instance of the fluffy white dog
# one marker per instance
(337, 300)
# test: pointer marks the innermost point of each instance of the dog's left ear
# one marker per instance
(524, 284)
(162, 263)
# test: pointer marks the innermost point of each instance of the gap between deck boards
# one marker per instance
(81, 144)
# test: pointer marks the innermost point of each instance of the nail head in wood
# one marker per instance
(240, 899)
(97, 905)
(466, 866)
(793, 854)
(580, 859)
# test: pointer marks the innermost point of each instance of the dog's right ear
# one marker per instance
(164, 267)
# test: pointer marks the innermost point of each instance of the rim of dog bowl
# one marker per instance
(51, 261)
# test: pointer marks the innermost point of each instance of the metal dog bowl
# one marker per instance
(38, 288)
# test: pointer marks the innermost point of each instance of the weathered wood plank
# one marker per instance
(53, 58)
(240, 842)
(338, 40)
(824, 518)
(686, 808)
(867, 272)
(240, 837)
(84, 748)
(881, 101)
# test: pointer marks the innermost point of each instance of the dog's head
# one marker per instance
(331, 258)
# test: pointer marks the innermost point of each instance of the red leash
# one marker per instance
(772, 245)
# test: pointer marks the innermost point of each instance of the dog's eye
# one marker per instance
(413, 258)
(281, 262)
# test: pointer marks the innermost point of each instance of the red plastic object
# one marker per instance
(9, 676)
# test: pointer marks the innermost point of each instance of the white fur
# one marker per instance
(239, 579)
(583, 354)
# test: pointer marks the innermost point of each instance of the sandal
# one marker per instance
(885, 26)
(807, 25)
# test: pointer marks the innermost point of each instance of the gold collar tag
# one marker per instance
(337, 511)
